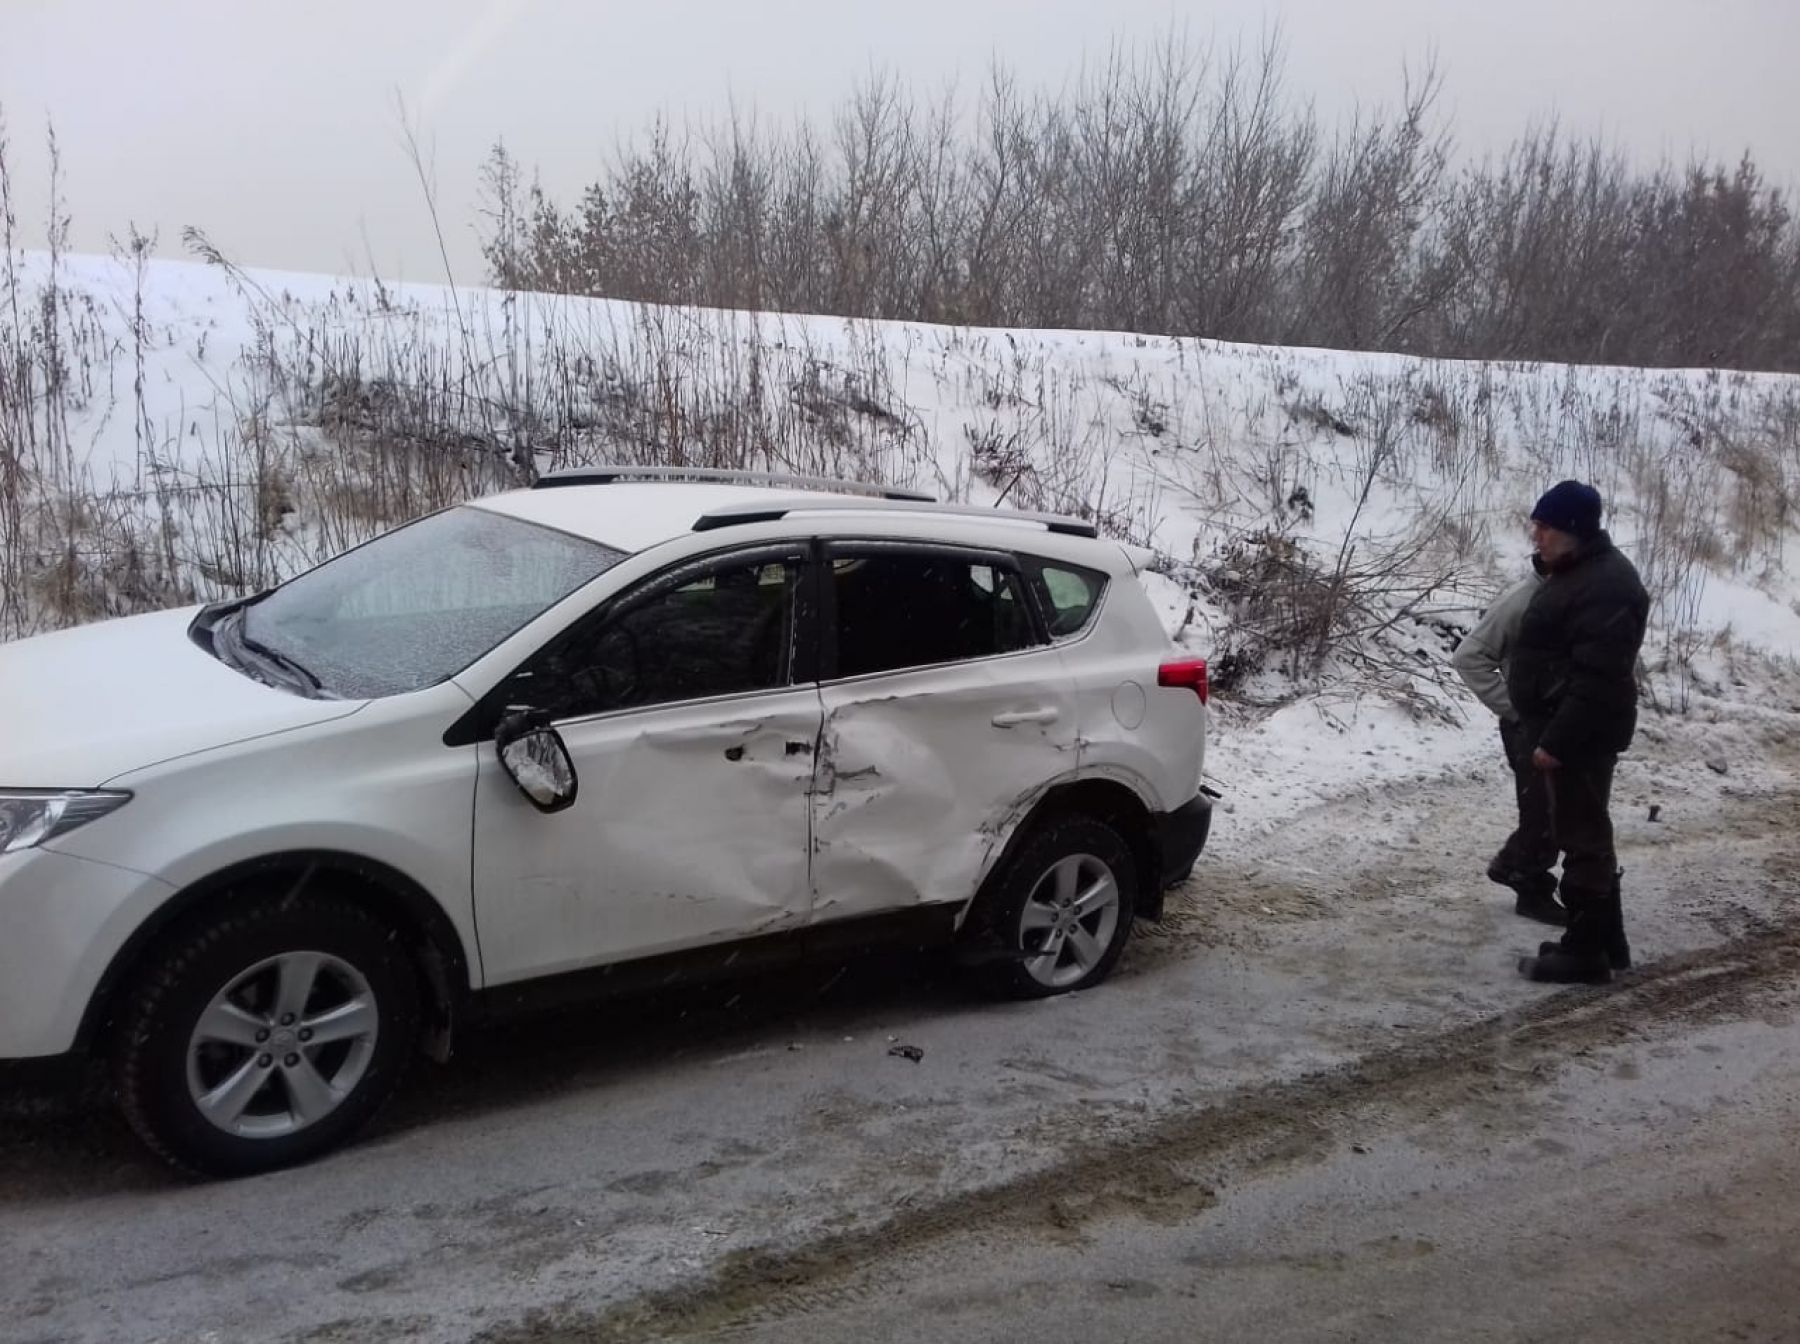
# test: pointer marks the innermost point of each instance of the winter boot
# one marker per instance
(1541, 904)
(1610, 919)
(1612, 916)
(1582, 957)
(1559, 965)
(1619, 960)
(1536, 893)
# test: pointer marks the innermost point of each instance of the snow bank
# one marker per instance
(214, 429)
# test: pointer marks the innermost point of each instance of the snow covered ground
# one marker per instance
(1324, 526)
(1325, 522)
(757, 1154)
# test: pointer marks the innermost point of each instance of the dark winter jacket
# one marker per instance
(1573, 673)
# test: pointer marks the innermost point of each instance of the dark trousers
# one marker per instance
(1580, 798)
(1531, 850)
(1566, 813)
(1580, 795)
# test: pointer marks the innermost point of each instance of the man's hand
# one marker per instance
(1543, 760)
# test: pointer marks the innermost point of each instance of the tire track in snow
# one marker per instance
(1168, 1169)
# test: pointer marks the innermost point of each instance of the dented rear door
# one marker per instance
(925, 769)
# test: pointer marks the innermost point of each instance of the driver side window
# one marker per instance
(725, 630)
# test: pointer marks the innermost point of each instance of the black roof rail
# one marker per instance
(723, 476)
(736, 515)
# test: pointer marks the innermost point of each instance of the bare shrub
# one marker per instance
(1349, 493)
(1282, 605)
(1761, 502)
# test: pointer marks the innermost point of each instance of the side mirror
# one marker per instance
(535, 758)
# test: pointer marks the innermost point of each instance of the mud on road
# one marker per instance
(1169, 1170)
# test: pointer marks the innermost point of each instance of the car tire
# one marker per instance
(1035, 903)
(266, 1036)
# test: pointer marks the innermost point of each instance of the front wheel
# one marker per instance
(1060, 911)
(266, 1036)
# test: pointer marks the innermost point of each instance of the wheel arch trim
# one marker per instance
(444, 962)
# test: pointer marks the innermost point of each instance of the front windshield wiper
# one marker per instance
(274, 657)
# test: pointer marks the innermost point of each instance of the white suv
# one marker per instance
(625, 727)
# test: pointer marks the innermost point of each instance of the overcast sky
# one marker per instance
(271, 123)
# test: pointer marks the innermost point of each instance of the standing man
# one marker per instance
(1525, 860)
(1573, 680)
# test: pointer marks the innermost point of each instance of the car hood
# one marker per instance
(83, 706)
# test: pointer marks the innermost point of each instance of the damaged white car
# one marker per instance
(623, 728)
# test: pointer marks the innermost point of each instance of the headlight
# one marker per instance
(31, 816)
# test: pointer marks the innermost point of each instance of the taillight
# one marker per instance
(1187, 674)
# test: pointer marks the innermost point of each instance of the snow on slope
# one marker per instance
(224, 428)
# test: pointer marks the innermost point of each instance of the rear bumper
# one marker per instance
(1180, 836)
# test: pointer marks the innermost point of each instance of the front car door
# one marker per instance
(947, 715)
(691, 714)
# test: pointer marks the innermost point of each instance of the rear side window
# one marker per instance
(1069, 595)
(901, 610)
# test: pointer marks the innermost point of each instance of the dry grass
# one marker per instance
(1338, 527)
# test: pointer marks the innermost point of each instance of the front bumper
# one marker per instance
(1180, 836)
(62, 920)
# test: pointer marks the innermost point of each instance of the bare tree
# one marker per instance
(1181, 189)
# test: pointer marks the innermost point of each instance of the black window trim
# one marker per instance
(478, 722)
(1034, 566)
(825, 606)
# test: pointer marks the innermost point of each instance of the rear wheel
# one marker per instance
(266, 1036)
(1058, 915)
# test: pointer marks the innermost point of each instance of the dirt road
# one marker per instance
(1648, 1188)
(1316, 1094)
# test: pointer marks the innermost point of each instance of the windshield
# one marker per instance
(418, 605)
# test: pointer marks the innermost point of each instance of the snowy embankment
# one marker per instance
(1324, 523)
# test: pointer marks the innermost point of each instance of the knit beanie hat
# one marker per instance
(1571, 507)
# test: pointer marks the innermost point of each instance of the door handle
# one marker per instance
(1013, 718)
(736, 752)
